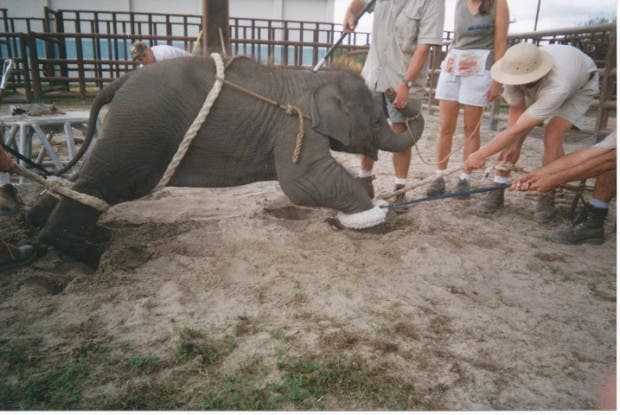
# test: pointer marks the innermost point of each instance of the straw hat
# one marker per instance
(521, 64)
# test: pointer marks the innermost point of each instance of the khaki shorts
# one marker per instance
(576, 107)
(394, 115)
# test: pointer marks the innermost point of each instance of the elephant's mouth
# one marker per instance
(369, 150)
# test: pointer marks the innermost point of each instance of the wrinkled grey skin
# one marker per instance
(243, 140)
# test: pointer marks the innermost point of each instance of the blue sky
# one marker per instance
(554, 14)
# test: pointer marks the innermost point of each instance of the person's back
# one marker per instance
(164, 52)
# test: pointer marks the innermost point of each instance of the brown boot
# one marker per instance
(545, 207)
(366, 182)
(492, 201)
(589, 228)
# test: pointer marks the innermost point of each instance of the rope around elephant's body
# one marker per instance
(190, 134)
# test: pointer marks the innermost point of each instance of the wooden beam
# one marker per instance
(215, 31)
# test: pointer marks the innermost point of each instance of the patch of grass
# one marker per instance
(30, 382)
(194, 343)
(142, 396)
(595, 292)
(308, 382)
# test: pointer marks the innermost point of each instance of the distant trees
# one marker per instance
(599, 21)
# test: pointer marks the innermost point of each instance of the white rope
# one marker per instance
(198, 121)
(58, 187)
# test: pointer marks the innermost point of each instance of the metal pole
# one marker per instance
(537, 13)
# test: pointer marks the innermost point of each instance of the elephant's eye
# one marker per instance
(376, 121)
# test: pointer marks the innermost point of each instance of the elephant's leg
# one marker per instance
(319, 180)
(72, 229)
(37, 215)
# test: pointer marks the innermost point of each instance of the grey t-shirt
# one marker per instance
(474, 31)
(398, 27)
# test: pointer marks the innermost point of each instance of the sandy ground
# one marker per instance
(481, 311)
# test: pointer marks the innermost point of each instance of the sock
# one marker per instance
(440, 172)
(365, 173)
(464, 176)
(599, 204)
(399, 180)
(500, 179)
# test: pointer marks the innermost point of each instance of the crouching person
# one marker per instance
(597, 161)
(552, 84)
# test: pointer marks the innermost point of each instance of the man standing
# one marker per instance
(553, 83)
(402, 33)
(146, 55)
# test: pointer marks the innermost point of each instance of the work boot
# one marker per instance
(400, 198)
(437, 187)
(589, 228)
(463, 187)
(492, 201)
(545, 207)
(12, 256)
(366, 182)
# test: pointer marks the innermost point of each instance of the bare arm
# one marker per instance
(354, 9)
(502, 20)
(513, 135)
(6, 163)
(579, 165)
(416, 63)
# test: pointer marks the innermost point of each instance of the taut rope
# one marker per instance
(190, 134)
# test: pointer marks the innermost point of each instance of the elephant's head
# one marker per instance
(346, 112)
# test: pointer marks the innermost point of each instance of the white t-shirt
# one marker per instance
(571, 71)
(163, 52)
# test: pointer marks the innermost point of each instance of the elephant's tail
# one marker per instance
(103, 97)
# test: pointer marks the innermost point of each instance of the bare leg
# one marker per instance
(472, 116)
(448, 114)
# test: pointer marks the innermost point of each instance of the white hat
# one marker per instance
(521, 64)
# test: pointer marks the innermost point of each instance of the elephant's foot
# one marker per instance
(80, 249)
(367, 219)
(37, 215)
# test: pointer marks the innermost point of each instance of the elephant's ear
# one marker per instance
(330, 115)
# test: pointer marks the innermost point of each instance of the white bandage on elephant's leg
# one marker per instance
(367, 218)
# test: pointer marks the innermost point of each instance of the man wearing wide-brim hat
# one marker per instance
(553, 83)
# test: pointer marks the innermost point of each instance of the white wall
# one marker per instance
(307, 10)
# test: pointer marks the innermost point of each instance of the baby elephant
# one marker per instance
(243, 140)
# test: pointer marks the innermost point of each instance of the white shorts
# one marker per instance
(466, 90)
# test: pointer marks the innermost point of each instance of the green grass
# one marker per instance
(113, 376)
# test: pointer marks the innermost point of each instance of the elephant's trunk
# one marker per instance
(393, 142)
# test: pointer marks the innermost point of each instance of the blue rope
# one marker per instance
(448, 195)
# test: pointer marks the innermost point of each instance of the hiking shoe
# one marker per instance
(545, 207)
(437, 187)
(492, 201)
(463, 187)
(589, 228)
(400, 198)
(366, 182)
(12, 256)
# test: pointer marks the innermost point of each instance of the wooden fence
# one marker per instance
(76, 52)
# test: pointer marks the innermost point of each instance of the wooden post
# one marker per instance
(215, 30)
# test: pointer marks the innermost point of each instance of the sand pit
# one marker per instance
(226, 298)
